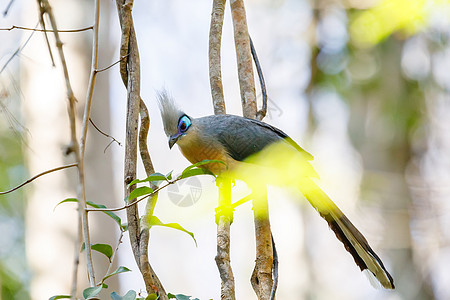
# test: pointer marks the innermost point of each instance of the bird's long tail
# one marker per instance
(354, 242)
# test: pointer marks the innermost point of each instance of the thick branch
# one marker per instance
(244, 59)
(130, 73)
(151, 280)
(262, 275)
(227, 289)
(215, 40)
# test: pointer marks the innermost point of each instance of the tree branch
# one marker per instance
(42, 10)
(215, 40)
(225, 216)
(46, 30)
(92, 77)
(151, 280)
(227, 288)
(262, 275)
(244, 59)
(105, 134)
(130, 73)
(260, 114)
(45, 8)
(155, 192)
(37, 176)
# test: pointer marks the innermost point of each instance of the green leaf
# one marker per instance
(109, 213)
(154, 221)
(92, 291)
(140, 191)
(120, 269)
(203, 162)
(180, 297)
(103, 248)
(130, 295)
(195, 172)
(65, 201)
(152, 296)
(169, 175)
(95, 205)
(152, 178)
(59, 297)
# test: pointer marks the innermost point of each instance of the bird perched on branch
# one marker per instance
(259, 153)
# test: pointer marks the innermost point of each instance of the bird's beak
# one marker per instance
(173, 139)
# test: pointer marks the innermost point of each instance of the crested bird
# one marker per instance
(257, 152)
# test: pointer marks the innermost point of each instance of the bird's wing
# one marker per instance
(243, 137)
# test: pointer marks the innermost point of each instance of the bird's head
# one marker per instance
(176, 123)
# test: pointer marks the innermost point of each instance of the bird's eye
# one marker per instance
(184, 124)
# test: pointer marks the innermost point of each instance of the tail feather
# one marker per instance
(354, 242)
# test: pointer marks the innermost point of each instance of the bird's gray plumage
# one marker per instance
(243, 137)
(233, 139)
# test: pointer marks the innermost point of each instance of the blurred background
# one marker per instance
(364, 86)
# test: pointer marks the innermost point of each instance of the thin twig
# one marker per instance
(260, 114)
(274, 270)
(42, 10)
(45, 30)
(17, 51)
(242, 201)
(111, 261)
(112, 65)
(81, 190)
(137, 200)
(105, 134)
(91, 85)
(6, 11)
(37, 176)
(82, 146)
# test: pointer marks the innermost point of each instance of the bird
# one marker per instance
(246, 149)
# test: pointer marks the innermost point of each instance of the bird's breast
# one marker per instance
(196, 150)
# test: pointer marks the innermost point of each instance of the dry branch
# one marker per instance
(45, 8)
(92, 77)
(152, 282)
(130, 73)
(224, 217)
(262, 281)
(46, 30)
(227, 288)
(215, 41)
(244, 59)
(37, 176)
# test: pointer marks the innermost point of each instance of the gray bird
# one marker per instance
(243, 143)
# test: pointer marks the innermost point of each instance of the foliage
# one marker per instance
(151, 221)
